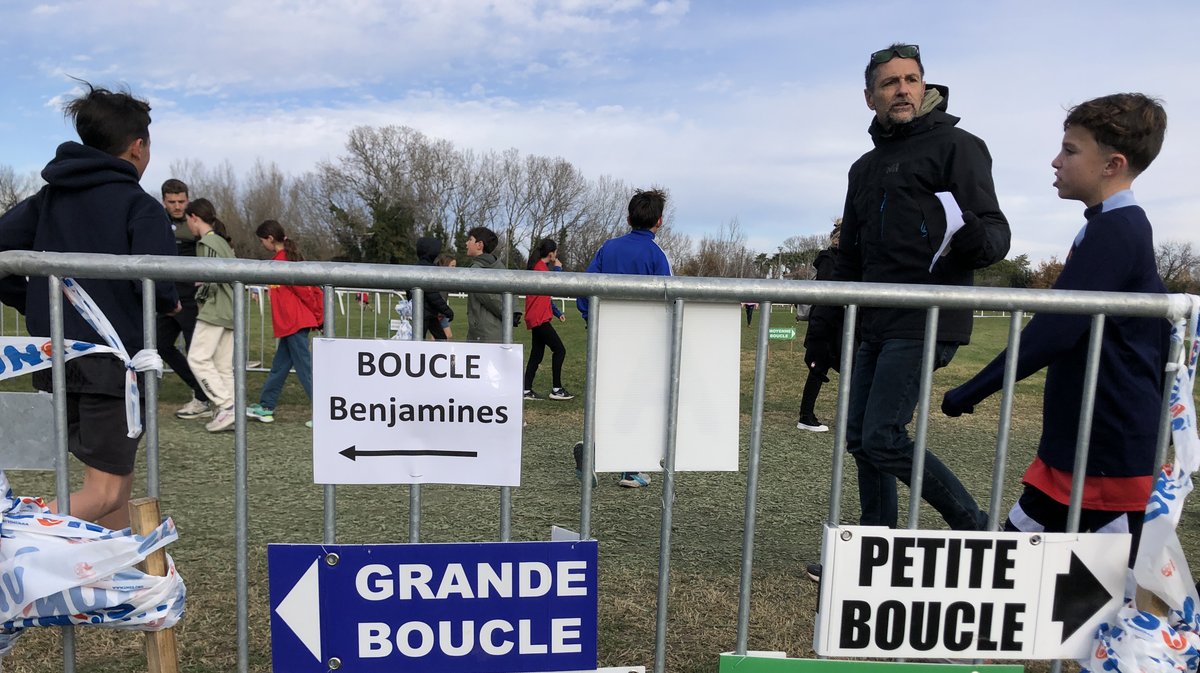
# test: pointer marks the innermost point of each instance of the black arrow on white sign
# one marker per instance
(1077, 597)
(353, 453)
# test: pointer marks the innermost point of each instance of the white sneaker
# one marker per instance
(194, 409)
(809, 422)
(222, 421)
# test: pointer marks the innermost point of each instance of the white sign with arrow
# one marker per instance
(415, 412)
(936, 593)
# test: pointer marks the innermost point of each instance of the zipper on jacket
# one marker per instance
(882, 206)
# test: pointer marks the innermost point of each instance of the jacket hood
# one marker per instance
(77, 166)
(428, 249)
(931, 114)
(937, 97)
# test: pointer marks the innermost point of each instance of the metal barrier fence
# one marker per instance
(674, 290)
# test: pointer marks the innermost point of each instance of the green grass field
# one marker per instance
(197, 488)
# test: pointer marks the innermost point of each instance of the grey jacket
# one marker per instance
(484, 309)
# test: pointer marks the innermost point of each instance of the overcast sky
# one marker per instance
(751, 110)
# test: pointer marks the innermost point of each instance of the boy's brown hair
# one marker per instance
(1130, 123)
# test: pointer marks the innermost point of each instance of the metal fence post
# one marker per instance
(752, 465)
(668, 497)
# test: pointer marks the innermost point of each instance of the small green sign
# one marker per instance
(733, 663)
(782, 333)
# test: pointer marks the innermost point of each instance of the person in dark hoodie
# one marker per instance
(924, 176)
(428, 249)
(92, 203)
(819, 336)
(170, 328)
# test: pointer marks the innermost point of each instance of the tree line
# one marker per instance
(394, 184)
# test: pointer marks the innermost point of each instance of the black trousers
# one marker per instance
(169, 329)
(543, 336)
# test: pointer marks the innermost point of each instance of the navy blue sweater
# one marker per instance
(1115, 252)
(92, 203)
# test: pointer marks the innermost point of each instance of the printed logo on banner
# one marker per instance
(434, 608)
(413, 412)
(23, 355)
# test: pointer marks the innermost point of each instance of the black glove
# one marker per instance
(954, 406)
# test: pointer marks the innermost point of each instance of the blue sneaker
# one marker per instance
(261, 413)
(634, 480)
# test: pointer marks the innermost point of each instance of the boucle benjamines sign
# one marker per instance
(413, 412)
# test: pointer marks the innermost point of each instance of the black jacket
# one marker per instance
(92, 203)
(428, 249)
(824, 326)
(185, 246)
(893, 223)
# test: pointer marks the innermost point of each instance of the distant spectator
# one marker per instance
(435, 304)
(183, 323)
(540, 313)
(211, 354)
(295, 311)
(485, 311)
(822, 341)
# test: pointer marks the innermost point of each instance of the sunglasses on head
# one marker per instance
(902, 51)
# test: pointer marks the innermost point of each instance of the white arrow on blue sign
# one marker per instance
(449, 608)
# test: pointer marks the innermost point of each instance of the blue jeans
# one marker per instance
(292, 351)
(884, 388)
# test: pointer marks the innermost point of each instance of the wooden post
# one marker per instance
(1147, 601)
(162, 654)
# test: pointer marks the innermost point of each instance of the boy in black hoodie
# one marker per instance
(92, 203)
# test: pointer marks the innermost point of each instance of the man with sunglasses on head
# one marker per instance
(903, 197)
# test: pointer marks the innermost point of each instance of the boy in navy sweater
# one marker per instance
(1107, 142)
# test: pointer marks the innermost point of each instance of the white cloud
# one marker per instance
(751, 110)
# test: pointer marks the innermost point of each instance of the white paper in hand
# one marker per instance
(954, 222)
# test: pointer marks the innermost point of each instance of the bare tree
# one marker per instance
(516, 195)
(221, 186)
(15, 188)
(724, 255)
(603, 216)
(312, 218)
(1178, 265)
(264, 196)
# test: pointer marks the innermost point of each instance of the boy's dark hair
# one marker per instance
(173, 186)
(485, 236)
(646, 208)
(1130, 123)
(895, 49)
(109, 121)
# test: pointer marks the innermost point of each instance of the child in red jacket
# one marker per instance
(295, 309)
(540, 313)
